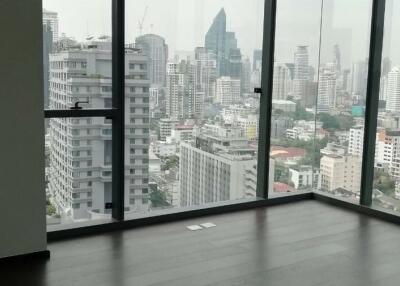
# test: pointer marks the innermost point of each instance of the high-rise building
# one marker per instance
(386, 66)
(393, 90)
(155, 48)
(337, 59)
(326, 91)
(257, 60)
(206, 73)
(51, 19)
(282, 81)
(47, 49)
(234, 63)
(228, 90)
(183, 101)
(246, 75)
(215, 40)
(224, 45)
(359, 74)
(301, 72)
(80, 148)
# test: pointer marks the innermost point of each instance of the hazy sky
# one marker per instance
(183, 23)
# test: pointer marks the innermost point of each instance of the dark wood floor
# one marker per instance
(302, 244)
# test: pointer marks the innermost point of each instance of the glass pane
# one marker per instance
(77, 68)
(77, 53)
(78, 171)
(319, 89)
(386, 192)
(342, 83)
(191, 115)
(294, 96)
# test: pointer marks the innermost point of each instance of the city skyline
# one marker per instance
(188, 28)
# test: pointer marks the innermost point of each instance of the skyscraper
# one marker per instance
(155, 48)
(393, 90)
(326, 90)
(282, 81)
(224, 45)
(51, 19)
(301, 72)
(215, 40)
(337, 58)
(80, 148)
(359, 75)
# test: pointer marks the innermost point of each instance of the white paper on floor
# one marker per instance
(208, 225)
(194, 227)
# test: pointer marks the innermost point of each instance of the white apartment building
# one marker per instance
(51, 19)
(80, 148)
(207, 178)
(231, 112)
(165, 126)
(217, 166)
(284, 105)
(356, 141)
(164, 149)
(228, 90)
(305, 130)
(250, 125)
(305, 177)
(340, 170)
(181, 133)
(393, 90)
(387, 151)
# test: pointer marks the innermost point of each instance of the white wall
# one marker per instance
(22, 195)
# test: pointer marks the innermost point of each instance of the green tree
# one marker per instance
(339, 122)
(384, 183)
(158, 199)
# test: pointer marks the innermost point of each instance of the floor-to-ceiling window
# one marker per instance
(294, 93)
(191, 113)
(386, 192)
(341, 97)
(78, 97)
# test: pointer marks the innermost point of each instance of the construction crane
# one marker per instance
(140, 23)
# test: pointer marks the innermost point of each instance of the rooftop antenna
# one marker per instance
(140, 23)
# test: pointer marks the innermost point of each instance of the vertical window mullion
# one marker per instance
(372, 100)
(118, 101)
(266, 98)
